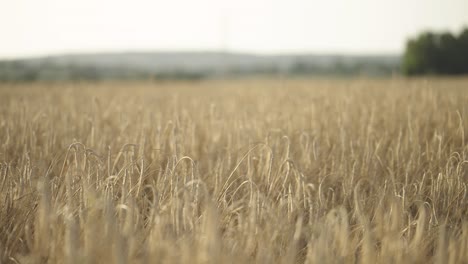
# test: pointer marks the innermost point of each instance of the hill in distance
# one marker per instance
(191, 65)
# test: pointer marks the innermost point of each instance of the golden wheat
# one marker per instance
(279, 171)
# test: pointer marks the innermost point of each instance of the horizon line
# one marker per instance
(200, 51)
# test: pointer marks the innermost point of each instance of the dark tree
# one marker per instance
(432, 53)
(463, 42)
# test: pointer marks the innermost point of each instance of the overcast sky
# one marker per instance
(43, 27)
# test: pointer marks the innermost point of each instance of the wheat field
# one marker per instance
(239, 171)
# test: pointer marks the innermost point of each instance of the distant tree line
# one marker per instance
(53, 69)
(436, 53)
(24, 71)
(340, 67)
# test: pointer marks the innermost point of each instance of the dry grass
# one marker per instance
(231, 172)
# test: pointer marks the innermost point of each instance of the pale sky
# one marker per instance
(45, 27)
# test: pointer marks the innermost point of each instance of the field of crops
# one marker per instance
(251, 171)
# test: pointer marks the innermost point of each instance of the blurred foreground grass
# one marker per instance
(260, 171)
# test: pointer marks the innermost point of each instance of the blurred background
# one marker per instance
(55, 40)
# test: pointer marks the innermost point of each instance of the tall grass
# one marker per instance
(298, 171)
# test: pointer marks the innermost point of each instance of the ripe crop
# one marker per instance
(251, 171)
